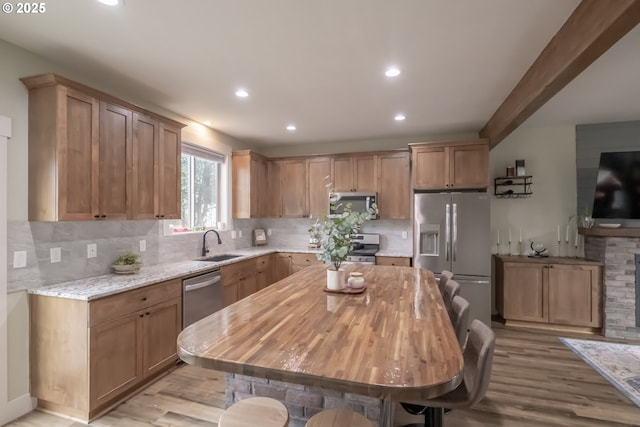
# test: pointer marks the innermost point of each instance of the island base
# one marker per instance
(302, 401)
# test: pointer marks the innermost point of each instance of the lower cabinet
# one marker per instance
(238, 280)
(300, 261)
(550, 291)
(88, 356)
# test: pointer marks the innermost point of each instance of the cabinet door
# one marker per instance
(430, 168)
(282, 266)
(393, 186)
(230, 292)
(342, 173)
(469, 166)
(161, 325)
(169, 176)
(115, 358)
(525, 292)
(364, 173)
(575, 295)
(318, 169)
(274, 175)
(259, 188)
(114, 160)
(144, 171)
(78, 166)
(294, 187)
(248, 286)
(264, 271)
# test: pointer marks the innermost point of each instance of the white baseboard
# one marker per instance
(16, 408)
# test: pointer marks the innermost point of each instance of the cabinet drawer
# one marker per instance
(393, 260)
(114, 306)
(304, 259)
(236, 271)
(263, 263)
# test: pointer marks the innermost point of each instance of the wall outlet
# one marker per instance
(143, 245)
(92, 250)
(19, 259)
(234, 234)
(404, 235)
(55, 254)
(268, 232)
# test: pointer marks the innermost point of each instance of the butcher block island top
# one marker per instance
(393, 341)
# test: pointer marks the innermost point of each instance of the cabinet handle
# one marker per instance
(96, 216)
(142, 315)
(162, 216)
(551, 266)
(147, 313)
(144, 298)
(157, 216)
(103, 216)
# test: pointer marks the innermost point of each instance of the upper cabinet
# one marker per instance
(450, 165)
(250, 185)
(353, 172)
(319, 176)
(394, 188)
(93, 156)
(294, 188)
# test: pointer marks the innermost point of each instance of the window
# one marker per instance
(200, 196)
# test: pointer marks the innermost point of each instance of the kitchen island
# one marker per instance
(293, 339)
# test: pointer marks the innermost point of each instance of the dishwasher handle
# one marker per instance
(195, 286)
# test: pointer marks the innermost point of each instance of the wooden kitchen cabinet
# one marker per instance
(294, 188)
(282, 266)
(550, 292)
(393, 260)
(300, 261)
(238, 281)
(354, 172)
(264, 271)
(318, 169)
(81, 149)
(87, 356)
(450, 165)
(274, 189)
(249, 185)
(394, 187)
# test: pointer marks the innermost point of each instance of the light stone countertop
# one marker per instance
(109, 284)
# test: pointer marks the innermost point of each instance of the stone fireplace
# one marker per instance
(619, 251)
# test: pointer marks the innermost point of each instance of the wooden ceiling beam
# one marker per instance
(593, 27)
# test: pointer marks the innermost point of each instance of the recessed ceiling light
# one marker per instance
(392, 72)
(399, 117)
(109, 2)
(242, 93)
(207, 122)
(291, 128)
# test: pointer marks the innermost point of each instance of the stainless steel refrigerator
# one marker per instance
(451, 232)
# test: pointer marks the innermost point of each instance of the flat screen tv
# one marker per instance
(617, 193)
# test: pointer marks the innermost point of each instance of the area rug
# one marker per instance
(618, 363)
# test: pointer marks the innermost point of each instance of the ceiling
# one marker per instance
(320, 65)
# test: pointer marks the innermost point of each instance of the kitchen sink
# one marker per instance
(218, 258)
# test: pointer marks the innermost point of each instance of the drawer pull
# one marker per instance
(147, 313)
(142, 315)
(144, 298)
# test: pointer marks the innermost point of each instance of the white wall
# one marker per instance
(550, 156)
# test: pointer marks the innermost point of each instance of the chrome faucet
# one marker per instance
(204, 241)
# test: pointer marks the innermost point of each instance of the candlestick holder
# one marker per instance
(509, 248)
(575, 254)
(559, 251)
(498, 248)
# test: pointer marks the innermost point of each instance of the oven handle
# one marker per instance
(195, 286)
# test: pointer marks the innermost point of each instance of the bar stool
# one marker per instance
(255, 411)
(338, 418)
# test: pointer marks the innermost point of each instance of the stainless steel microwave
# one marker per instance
(359, 201)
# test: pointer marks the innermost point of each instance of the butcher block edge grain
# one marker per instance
(374, 344)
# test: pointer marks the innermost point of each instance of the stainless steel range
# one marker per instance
(364, 250)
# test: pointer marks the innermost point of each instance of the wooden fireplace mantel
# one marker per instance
(610, 232)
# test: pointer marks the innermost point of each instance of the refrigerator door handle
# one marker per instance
(455, 230)
(447, 232)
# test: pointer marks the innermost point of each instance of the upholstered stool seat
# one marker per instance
(255, 411)
(338, 418)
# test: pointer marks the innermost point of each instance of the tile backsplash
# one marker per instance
(115, 237)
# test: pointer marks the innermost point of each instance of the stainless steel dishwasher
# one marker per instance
(201, 296)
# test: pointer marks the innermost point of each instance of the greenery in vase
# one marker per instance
(336, 231)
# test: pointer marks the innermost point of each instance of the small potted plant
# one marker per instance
(586, 220)
(335, 239)
(127, 263)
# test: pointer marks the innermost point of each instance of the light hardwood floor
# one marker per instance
(536, 382)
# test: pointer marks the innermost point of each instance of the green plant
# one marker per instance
(128, 258)
(336, 231)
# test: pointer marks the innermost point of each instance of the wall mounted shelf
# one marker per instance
(512, 186)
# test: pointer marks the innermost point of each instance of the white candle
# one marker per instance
(558, 232)
(520, 235)
(567, 234)
(498, 236)
(509, 234)
(577, 236)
